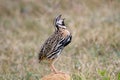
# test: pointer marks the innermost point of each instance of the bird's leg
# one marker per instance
(54, 69)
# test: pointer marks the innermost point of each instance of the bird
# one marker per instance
(53, 46)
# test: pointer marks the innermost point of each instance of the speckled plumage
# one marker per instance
(54, 45)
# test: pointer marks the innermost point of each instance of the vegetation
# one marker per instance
(94, 53)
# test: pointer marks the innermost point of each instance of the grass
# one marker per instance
(94, 53)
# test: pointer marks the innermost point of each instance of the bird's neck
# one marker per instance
(61, 29)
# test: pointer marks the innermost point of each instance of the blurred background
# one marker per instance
(94, 53)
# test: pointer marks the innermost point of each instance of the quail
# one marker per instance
(54, 45)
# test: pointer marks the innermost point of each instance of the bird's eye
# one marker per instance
(63, 23)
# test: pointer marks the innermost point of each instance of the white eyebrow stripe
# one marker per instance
(60, 21)
(62, 26)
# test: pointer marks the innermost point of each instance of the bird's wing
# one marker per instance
(49, 45)
(59, 46)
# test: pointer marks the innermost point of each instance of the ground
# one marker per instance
(94, 53)
(57, 76)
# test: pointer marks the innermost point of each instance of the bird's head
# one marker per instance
(59, 23)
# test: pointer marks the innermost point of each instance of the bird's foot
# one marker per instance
(59, 72)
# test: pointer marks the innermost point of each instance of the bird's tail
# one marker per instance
(40, 57)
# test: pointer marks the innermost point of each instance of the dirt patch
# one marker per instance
(56, 77)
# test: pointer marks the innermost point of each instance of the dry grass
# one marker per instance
(94, 53)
